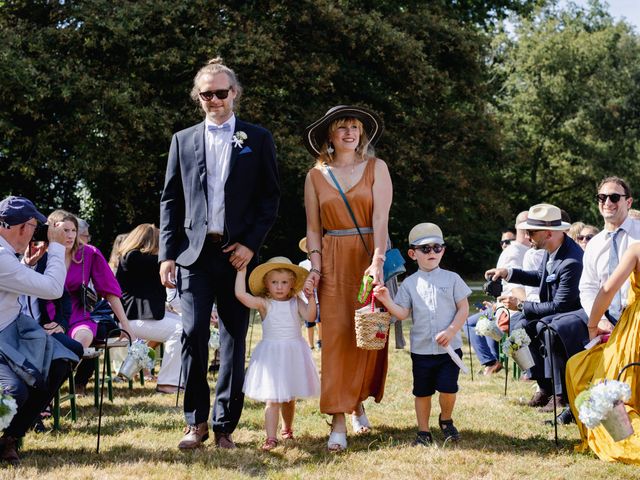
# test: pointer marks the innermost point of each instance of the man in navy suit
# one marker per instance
(559, 306)
(220, 200)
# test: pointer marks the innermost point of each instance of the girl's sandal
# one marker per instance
(269, 444)
(337, 442)
(360, 423)
(287, 434)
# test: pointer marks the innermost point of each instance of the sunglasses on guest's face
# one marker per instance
(585, 238)
(219, 94)
(437, 248)
(506, 242)
(614, 197)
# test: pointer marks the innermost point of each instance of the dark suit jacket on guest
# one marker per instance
(252, 193)
(558, 288)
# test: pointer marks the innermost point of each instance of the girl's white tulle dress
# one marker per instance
(281, 367)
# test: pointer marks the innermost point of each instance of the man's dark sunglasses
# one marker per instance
(582, 238)
(614, 197)
(506, 242)
(219, 94)
(427, 248)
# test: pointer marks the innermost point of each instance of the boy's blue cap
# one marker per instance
(425, 233)
(17, 210)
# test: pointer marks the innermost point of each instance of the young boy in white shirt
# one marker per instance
(437, 301)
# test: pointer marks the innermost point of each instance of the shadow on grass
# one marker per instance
(306, 449)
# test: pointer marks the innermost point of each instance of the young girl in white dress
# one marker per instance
(281, 367)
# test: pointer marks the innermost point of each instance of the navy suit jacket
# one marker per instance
(251, 193)
(559, 288)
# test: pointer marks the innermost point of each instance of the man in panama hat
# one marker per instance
(559, 306)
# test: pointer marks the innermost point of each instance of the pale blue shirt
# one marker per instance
(432, 297)
(18, 279)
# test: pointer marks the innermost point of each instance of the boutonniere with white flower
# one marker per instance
(238, 138)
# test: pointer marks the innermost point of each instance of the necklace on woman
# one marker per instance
(346, 180)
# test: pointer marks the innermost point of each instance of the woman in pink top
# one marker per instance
(86, 264)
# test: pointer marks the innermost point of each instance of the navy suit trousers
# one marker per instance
(212, 278)
(547, 348)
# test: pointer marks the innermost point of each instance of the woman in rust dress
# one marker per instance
(341, 141)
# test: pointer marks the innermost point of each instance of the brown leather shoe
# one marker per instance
(194, 435)
(491, 369)
(9, 451)
(561, 402)
(539, 399)
(223, 440)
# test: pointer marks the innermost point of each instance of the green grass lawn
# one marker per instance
(500, 439)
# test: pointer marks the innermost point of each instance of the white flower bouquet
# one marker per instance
(488, 328)
(603, 404)
(516, 345)
(139, 356)
(8, 409)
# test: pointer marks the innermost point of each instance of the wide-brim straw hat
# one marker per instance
(302, 244)
(316, 134)
(256, 279)
(544, 216)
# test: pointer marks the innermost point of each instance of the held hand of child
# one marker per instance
(382, 293)
(310, 283)
(444, 337)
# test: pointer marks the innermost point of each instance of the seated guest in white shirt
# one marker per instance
(512, 256)
(33, 364)
(600, 259)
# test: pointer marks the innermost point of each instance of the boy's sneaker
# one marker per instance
(424, 439)
(319, 344)
(449, 430)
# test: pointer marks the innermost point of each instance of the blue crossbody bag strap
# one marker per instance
(346, 202)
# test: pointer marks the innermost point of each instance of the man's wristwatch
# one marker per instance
(520, 306)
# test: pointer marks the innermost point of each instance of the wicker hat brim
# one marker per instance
(256, 279)
(315, 135)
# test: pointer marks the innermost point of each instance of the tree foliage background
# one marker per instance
(480, 123)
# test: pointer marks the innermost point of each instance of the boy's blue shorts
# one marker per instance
(433, 373)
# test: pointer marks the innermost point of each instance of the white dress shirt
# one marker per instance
(18, 279)
(218, 156)
(511, 257)
(595, 270)
(532, 260)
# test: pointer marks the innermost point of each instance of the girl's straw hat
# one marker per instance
(315, 134)
(256, 279)
(302, 244)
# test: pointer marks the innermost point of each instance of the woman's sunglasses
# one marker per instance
(427, 248)
(219, 94)
(505, 242)
(582, 238)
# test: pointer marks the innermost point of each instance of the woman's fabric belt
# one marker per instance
(349, 231)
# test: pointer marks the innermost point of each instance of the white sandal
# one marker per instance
(337, 442)
(360, 423)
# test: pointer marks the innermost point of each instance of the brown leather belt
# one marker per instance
(214, 237)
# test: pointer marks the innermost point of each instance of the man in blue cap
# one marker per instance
(33, 364)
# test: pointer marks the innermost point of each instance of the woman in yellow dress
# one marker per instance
(606, 360)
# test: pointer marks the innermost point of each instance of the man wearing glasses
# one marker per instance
(607, 247)
(559, 305)
(33, 364)
(508, 236)
(220, 200)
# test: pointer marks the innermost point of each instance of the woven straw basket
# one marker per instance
(372, 329)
